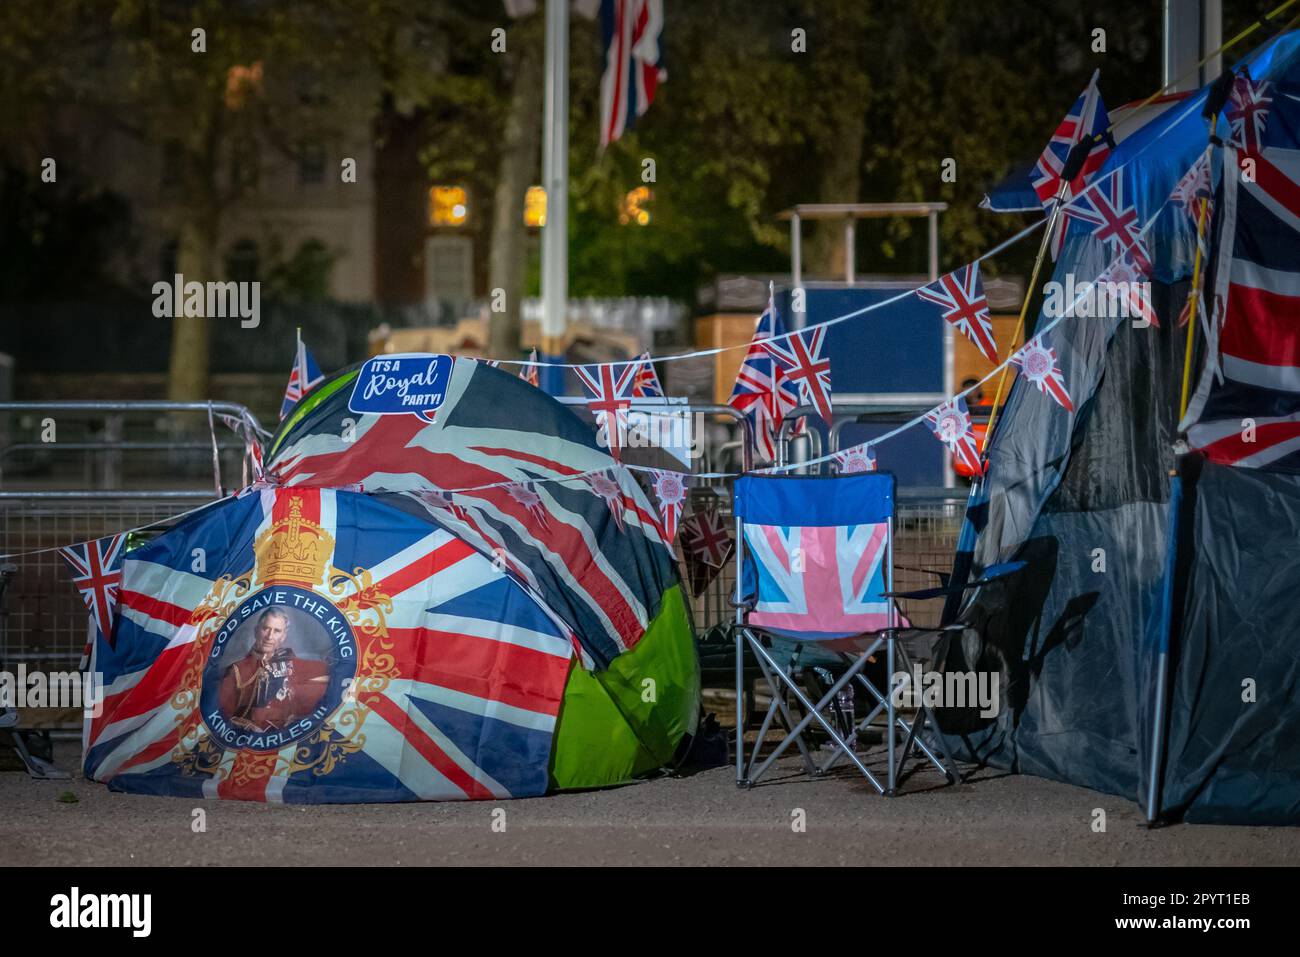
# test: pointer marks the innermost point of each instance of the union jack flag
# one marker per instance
(1041, 367)
(529, 372)
(632, 63)
(611, 389)
(447, 688)
(493, 430)
(706, 538)
(1113, 222)
(97, 574)
(762, 392)
(1246, 409)
(303, 377)
(1087, 118)
(1248, 108)
(961, 296)
(951, 425)
(800, 359)
(820, 580)
(647, 385)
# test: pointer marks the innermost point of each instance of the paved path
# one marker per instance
(701, 819)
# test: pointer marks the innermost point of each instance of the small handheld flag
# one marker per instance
(762, 392)
(303, 377)
(647, 385)
(1087, 119)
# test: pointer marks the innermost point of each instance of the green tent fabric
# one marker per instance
(627, 720)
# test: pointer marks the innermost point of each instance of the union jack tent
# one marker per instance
(435, 637)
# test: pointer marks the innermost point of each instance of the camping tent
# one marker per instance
(1149, 649)
(476, 603)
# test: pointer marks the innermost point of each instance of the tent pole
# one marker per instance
(1194, 294)
(1162, 651)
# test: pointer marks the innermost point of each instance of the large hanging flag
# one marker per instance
(762, 392)
(1039, 365)
(610, 391)
(647, 384)
(1246, 409)
(951, 425)
(801, 361)
(633, 69)
(961, 296)
(304, 377)
(334, 647)
(97, 575)
(1087, 118)
(1248, 108)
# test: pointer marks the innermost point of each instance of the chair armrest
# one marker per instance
(991, 574)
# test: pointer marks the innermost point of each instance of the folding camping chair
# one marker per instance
(815, 574)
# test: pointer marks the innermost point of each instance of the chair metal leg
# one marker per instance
(740, 707)
(906, 726)
(778, 706)
(892, 714)
(814, 713)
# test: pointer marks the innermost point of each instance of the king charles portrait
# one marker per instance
(271, 687)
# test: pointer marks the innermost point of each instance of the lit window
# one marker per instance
(632, 209)
(535, 207)
(448, 206)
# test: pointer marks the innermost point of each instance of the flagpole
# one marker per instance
(555, 177)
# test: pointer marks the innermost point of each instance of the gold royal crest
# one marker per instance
(294, 549)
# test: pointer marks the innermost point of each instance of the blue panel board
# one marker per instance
(897, 348)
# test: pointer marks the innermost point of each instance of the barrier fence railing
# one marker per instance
(169, 453)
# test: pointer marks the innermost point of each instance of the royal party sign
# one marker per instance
(414, 384)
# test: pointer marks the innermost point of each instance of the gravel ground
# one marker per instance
(701, 819)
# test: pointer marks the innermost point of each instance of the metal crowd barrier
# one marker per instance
(43, 623)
